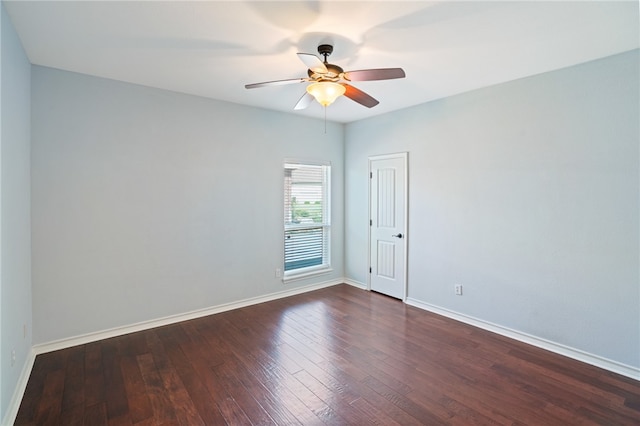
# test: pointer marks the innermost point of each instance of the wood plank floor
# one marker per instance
(335, 356)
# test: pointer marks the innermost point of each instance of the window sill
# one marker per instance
(307, 274)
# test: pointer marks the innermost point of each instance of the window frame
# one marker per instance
(325, 267)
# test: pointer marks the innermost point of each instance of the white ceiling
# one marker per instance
(214, 48)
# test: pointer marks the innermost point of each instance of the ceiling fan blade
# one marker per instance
(275, 83)
(313, 63)
(375, 74)
(359, 96)
(304, 101)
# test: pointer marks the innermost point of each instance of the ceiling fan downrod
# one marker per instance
(325, 50)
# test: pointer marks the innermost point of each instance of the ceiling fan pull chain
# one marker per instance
(325, 119)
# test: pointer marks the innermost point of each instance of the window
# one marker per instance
(306, 218)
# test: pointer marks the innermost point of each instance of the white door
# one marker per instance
(387, 212)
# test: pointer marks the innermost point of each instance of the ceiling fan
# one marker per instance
(329, 81)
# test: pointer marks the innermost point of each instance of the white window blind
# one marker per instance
(306, 217)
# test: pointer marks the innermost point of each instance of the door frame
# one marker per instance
(405, 157)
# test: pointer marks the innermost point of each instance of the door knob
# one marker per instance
(397, 235)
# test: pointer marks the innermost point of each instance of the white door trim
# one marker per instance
(405, 157)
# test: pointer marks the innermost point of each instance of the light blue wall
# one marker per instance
(527, 194)
(149, 203)
(15, 229)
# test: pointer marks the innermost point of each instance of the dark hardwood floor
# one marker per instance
(334, 356)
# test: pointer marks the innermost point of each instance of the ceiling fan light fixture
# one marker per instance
(326, 92)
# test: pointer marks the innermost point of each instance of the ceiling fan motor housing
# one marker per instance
(333, 73)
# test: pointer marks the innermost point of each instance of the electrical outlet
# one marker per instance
(458, 289)
(13, 357)
(278, 273)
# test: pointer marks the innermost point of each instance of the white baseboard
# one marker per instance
(21, 386)
(172, 319)
(14, 405)
(355, 283)
(577, 354)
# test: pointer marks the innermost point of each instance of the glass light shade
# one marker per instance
(326, 92)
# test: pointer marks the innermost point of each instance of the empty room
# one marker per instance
(319, 212)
